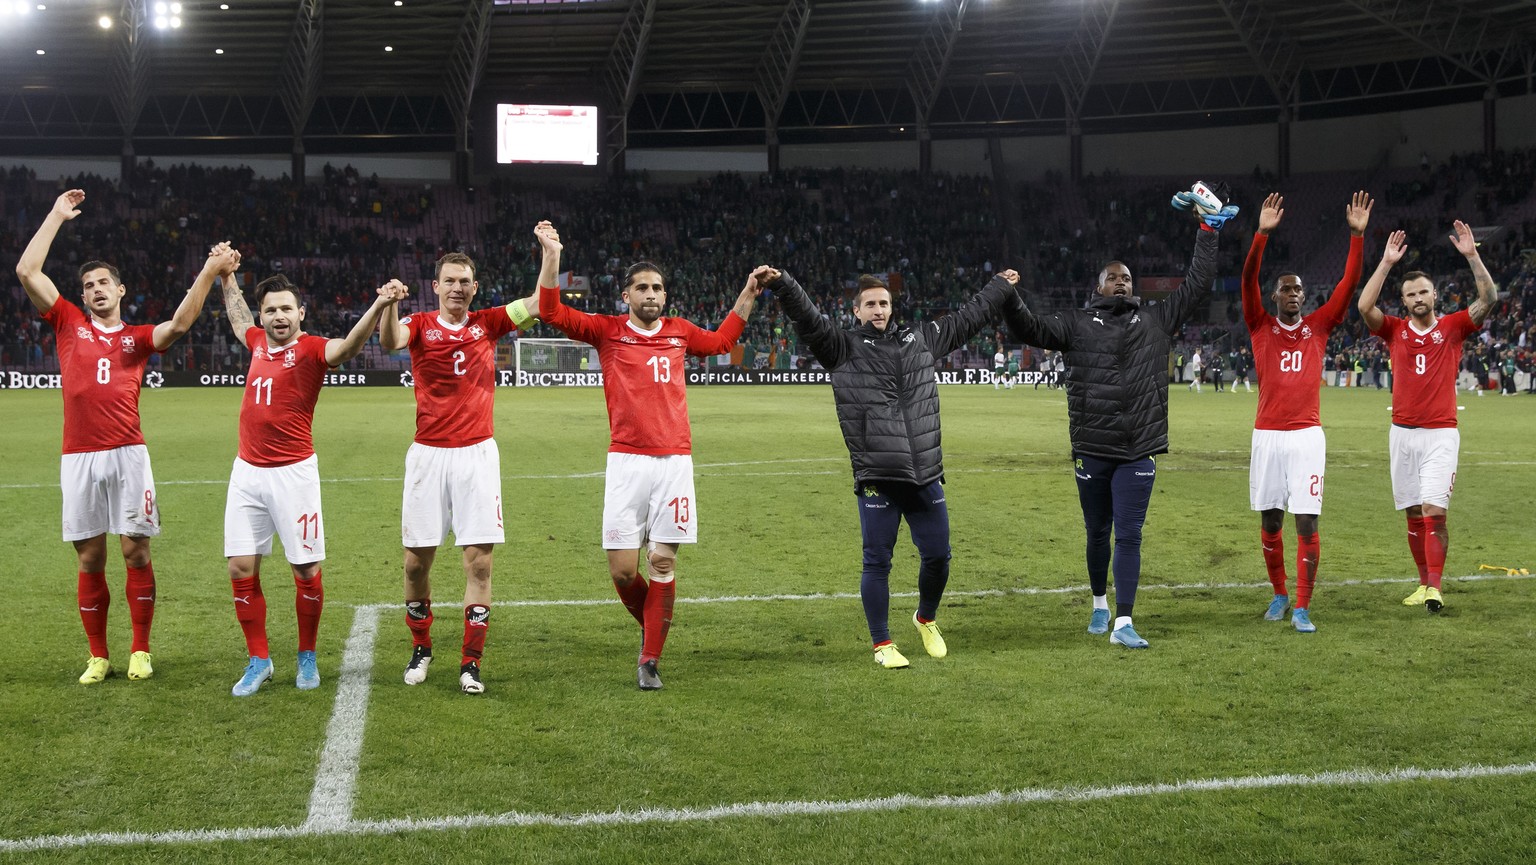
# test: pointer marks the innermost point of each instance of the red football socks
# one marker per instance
(418, 617)
(141, 603)
(308, 601)
(94, 597)
(251, 612)
(658, 617)
(1437, 541)
(1273, 545)
(633, 595)
(476, 620)
(1416, 532)
(1308, 552)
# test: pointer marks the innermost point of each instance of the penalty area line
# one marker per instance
(793, 808)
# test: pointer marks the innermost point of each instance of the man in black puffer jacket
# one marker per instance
(1117, 404)
(888, 408)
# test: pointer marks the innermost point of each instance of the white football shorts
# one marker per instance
(1285, 470)
(452, 488)
(1423, 465)
(649, 498)
(109, 491)
(280, 500)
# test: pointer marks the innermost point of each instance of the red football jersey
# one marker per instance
(644, 379)
(278, 408)
(1424, 367)
(455, 371)
(101, 370)
(1288, 360)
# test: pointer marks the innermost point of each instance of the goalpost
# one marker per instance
(555, 355)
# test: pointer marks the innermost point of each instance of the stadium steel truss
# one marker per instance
(717, 72)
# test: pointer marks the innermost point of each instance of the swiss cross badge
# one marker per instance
(476, 331)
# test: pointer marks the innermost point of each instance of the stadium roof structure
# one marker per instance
(412, 74)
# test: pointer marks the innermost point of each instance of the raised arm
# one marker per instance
(551, 309)
(819, 334)
(1397, 244)
(393, 334)
(1487, 290)
(952, 331)
(1198, 278)
(29, 269)
(1041, 331)
(339, 351)
(1269, 219)
(722, 339)
(222, 261)
(235, 309)
(1358, 215)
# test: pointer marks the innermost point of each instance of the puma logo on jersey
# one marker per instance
(106, 340)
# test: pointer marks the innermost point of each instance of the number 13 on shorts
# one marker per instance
(680, 511)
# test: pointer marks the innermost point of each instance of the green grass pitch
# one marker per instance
(775, 701)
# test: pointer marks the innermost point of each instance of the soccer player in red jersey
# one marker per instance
(274, 487)
(453, 468)
(105, 472)
(1424, 442)
(648, 493)
(1289, 450)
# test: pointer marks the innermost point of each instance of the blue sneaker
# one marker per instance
(1276, 611)
(256, 674)
(1302, 622)
(1098, 623)
(1126, 636)
(308, 677)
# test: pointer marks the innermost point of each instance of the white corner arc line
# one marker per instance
(330, 803)
(801, 808)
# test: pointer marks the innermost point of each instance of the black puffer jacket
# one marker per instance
(883, 381)
(1117, 361)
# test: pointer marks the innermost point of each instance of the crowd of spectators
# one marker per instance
(937, 239)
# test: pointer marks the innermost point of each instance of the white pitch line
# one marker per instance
(330, 804)
(976, 593)
(775, 810)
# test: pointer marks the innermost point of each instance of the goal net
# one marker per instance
(555, 356)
